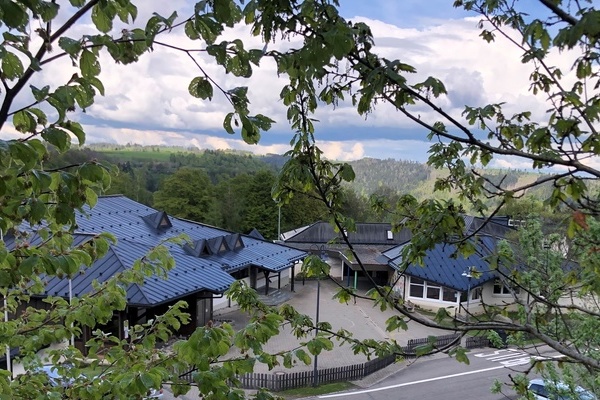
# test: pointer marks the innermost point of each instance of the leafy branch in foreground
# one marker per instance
(564, 138)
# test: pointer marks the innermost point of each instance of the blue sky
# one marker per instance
(148, 103)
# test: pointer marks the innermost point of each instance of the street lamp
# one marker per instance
(469, 276)
(323, 257)
(546, 246)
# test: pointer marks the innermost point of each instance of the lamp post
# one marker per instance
(546, 246)
(323, 257)
(469, 276)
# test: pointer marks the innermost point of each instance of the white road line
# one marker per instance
(329, 396)
(506, 356)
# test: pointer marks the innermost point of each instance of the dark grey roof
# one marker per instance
(366, 233)
(204, 265)
(496, 227)
(443, 266)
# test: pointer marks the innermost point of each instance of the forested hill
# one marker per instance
(232, 190)
(372, 174)
(409, 177)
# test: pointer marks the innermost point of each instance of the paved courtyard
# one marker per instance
(358, 317)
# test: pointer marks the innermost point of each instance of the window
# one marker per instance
(426, 290)
(417, 287)
(448, 295)
(539, 390)
(390, 235)
(501, 289)
(433, 292)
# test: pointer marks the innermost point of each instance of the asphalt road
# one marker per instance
(447, 379)
(443, 378)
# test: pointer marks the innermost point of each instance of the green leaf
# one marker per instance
(201, 88)
(48, 10)
(95, 82)
(347, 173)
(57, 137)
(91, 172)
(89, 65)
(395, 323)
(76, 129)
(13, 15)
(24, 122)
(102, 21)
(227, 123)
(27, 266)
(303, 356)
(12, 68)
(39, 94)
(190, 30)
(71, 46)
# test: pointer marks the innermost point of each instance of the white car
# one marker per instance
(558, 391)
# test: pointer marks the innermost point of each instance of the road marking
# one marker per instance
(329, 396)
(512, 357)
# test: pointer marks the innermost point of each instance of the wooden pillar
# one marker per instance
(279, 280)
(253, 273)
(293, 278)
(266, 281)
(355, 279)
(348, 267)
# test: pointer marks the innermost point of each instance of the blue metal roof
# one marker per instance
(443, 266)
(139, 228)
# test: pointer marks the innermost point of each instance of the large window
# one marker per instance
(449, 295)
(426, 290)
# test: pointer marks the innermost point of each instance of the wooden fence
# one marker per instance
(437, 341)
(474, 342)
(281, 380)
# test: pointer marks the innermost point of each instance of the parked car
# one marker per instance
(558, 391)
(56, 379)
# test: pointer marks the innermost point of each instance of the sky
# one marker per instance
(147, 103)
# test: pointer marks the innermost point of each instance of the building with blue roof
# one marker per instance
(446, 278)
(204, 268)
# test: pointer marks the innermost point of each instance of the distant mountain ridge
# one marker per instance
(372, 175)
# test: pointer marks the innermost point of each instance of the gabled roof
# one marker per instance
(495, 227)
(369, 240)
(204, 264)
(443, 266)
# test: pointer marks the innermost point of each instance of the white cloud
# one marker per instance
(181, 138)
(148, 102)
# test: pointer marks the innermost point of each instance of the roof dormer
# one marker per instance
(158, 220)
(234, 241)
(198, 248)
